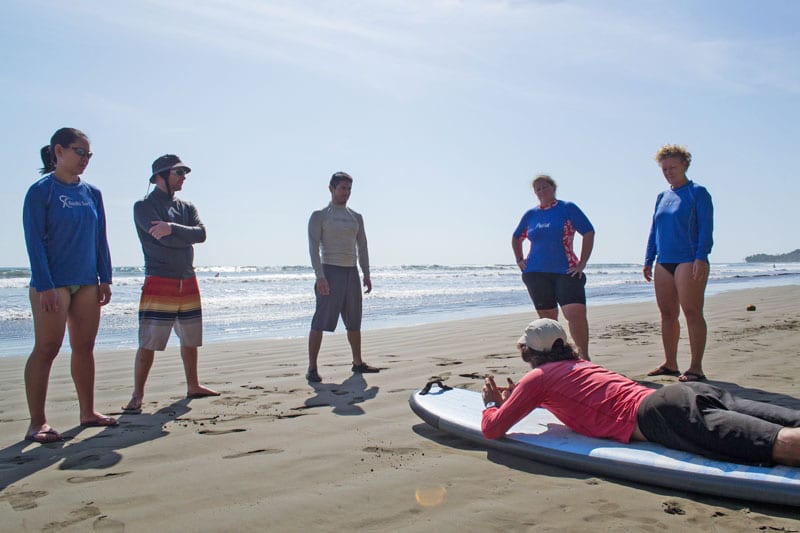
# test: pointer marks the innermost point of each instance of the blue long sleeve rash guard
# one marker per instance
(65, 234)
(683, 223)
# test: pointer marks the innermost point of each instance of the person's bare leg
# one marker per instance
(49, 334)
(354, 338)
(692, 297)
(314, 345)
(548, 313)
(83, 320)
(578, 327)
(194, 389)
(667, 300)
(141, 370)
(786, 450)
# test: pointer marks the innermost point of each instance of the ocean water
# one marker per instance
(248, 302)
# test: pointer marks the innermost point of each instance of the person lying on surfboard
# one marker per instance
(593, 401)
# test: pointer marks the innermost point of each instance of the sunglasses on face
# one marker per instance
(180, 171)
(82, 152)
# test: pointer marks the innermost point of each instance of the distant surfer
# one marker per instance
(552, 272)
(593, 401)
(65, 234)
(679, 243)
(168, 229)
(336, 243)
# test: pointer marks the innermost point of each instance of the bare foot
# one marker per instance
(134, 406)
(201, 392)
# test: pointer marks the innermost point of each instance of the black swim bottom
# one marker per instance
(548, 290)
(709, 421)
(670, 267)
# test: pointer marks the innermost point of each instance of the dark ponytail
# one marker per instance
(560, 351)
(48, 160)
(63, 137)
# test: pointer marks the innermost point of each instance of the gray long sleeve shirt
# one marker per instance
(171, 256)
(337, 233)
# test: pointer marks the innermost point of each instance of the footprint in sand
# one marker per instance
(76, 516)
(8, 464)
(80, 462)
(381, 449)
(263, 451)
(220, 431)
(22, 500)
(104, 523)
(89, 479)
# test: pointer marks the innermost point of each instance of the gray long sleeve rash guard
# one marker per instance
(171, 256)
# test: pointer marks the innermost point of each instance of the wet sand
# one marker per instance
(276, 453)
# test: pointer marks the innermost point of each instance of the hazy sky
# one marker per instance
(442, 110)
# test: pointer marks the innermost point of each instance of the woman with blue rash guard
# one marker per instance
(65, 234)
(679, 243)
(552, 272)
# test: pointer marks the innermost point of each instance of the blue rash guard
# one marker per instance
(682, 226)
(65, 234)
(551, 231)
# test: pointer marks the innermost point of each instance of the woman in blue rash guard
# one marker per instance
(65, 234)
(552, 272)
(679, 244)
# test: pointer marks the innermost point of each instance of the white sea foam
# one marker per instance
(266, 302)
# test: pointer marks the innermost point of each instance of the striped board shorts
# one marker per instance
(168, 303)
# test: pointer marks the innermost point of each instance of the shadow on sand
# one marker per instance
(24, 458)
(344, 397)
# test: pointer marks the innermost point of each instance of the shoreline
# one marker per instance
(274, 452)
(440, 318)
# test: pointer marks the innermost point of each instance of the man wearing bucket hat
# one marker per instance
(591, 400)
(168, 228)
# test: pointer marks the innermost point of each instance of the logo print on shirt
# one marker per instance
(68, 203)
(172, 212)
(542, 225)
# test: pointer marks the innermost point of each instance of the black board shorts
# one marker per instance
(344, 299)
(706, 420)
(548, 290)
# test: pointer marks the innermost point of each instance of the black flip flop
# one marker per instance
(664, 371)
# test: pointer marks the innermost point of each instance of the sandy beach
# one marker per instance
(275, 453)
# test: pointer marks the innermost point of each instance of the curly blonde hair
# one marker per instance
(546, 178)
(674, 150)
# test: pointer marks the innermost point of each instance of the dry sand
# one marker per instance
(275, 453)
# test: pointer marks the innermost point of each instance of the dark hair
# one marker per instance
(63, 137)
(339, 177)
(560, 351)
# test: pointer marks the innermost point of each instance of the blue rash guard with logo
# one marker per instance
(551, 231)
(682, 226)
(65, 234)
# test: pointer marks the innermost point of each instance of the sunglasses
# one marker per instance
(82, 152)
(180, 171)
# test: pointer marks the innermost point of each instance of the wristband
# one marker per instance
(489, 404)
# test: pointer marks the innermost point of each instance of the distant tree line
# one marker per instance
(791, 257)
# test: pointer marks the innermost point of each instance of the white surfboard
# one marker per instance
(542, 437)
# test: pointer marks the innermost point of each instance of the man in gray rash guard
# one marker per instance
(337, 233)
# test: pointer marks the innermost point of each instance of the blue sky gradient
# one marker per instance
(442, 110)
